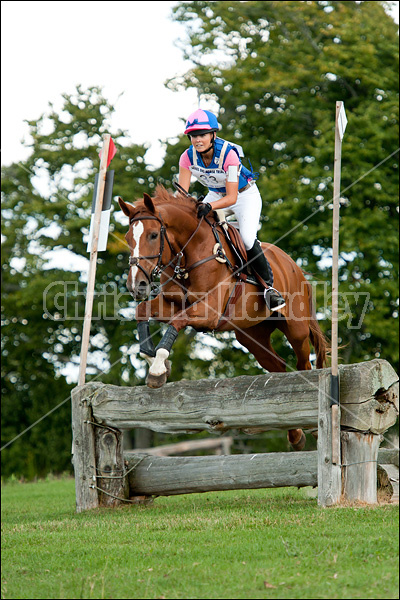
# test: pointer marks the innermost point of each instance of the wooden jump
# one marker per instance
(369, 406)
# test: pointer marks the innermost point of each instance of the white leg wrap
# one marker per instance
(158, 367)
(148, 359)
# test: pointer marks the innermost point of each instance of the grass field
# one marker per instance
(244, 544)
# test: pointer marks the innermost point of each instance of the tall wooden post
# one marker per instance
(329, 464)
(335, 397)
(93, 260)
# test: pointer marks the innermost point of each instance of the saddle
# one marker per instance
(235, 242)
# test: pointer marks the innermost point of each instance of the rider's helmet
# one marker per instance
(201, 121)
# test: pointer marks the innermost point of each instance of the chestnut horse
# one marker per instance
(200, 287)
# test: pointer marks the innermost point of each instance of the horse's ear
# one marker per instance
(149, 203)
(126, 208)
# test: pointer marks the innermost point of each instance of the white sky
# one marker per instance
(50, 47)
(126, 47)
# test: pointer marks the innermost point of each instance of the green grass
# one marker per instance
(257, 544)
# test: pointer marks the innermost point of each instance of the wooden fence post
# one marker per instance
(110, 468)
(359, 466)
(329, 472)
(84, 459)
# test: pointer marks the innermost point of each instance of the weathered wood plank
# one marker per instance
(110, 468)
(83, 444)
(388, 483)
(388, 456)
(221, 445)
(271, 401)
(212, 405)
(166, 476)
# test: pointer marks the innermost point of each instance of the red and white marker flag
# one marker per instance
(109, 152)
(105, 213)
(106, 203)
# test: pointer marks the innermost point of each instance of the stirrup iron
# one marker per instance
(273, 294)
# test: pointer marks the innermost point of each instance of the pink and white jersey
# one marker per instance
(225, 166)
(231, 160)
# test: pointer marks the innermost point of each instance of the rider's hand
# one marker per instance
(203, 209)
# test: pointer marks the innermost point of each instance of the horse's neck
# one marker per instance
(182, 224)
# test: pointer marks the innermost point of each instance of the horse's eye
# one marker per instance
(153, 235)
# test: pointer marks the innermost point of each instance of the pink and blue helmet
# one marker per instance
(201, 121)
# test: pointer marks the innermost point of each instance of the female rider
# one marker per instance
(216, 164)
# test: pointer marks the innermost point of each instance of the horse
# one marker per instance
(201, 286)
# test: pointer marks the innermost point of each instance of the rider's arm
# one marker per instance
(230, 197)
(184, 178)
(231, 167)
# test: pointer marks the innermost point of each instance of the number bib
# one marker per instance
(211, 178)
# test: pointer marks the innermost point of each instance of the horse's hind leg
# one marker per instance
(257, 340)
(298, 337)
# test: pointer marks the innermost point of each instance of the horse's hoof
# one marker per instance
(156, 381)
(299, 443)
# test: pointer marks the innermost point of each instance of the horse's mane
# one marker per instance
(162, 197)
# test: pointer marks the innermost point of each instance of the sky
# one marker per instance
(128, 48)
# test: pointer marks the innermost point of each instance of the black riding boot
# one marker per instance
(259, 263)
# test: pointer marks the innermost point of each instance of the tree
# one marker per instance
(46, 204)
(276, 70)
(46, 210)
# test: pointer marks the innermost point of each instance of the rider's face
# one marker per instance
(201, 141)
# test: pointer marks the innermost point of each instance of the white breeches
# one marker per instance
(247, 211)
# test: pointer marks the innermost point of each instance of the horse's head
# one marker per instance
(146, 237)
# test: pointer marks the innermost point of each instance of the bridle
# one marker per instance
(183, 272)
(134, 261)
(179, 272)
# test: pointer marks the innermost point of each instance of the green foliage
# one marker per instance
(46, 207)
(242, 544)
(288, 63)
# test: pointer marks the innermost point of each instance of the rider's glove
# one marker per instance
(203, 209)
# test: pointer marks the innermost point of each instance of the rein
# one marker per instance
(183, 272)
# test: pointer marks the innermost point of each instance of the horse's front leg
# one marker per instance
(146, 345)
(202, 314)
(156, 358)
(160, 368)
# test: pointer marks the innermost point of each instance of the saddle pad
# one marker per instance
(237, 241)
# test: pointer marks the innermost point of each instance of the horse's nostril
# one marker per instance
(142, 284)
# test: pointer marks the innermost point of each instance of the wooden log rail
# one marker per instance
(369, 406)
(165, 476)
(220, 445)
(368, 392)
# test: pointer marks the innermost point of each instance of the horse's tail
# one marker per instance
(318, 340)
